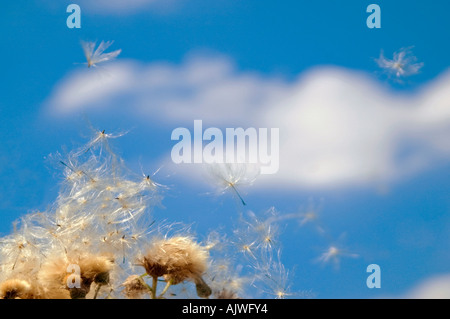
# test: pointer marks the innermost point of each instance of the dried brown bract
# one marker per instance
(135, 287)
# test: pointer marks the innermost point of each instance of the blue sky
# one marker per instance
(284, 53)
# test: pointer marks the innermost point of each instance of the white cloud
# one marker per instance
(337, 126)
(201, 88)
(342, 127)
(436, 287)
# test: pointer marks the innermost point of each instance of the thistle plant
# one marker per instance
(99, 239)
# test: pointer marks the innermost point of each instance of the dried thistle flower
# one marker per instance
(96, 268)
(17, 289)
(54, 275)
(177, 259)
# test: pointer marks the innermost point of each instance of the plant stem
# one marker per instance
(168, 284)
(154, 285)
(97, 289)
